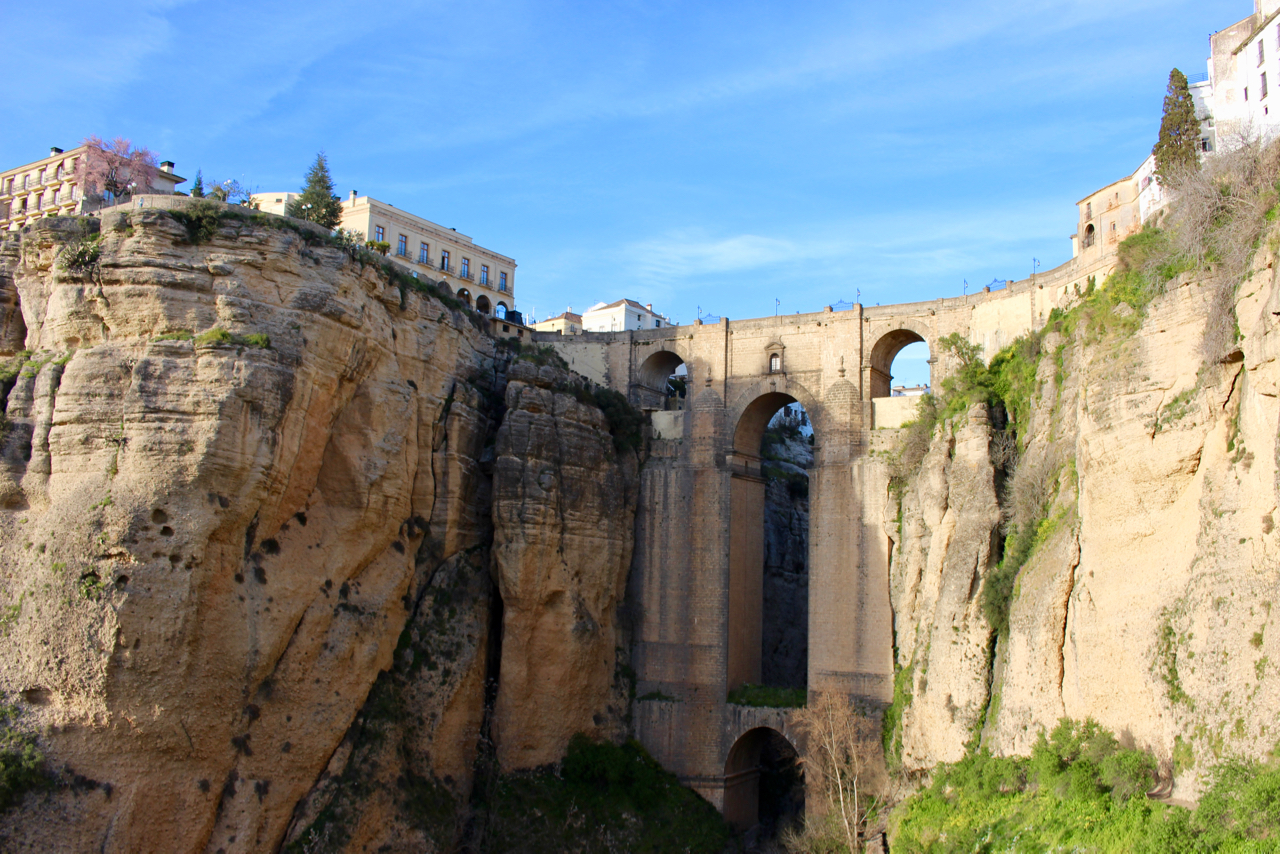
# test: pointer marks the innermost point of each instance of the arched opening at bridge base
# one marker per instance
(763, 783)
(768, 619)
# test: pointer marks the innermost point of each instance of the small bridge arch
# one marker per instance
(889, 342)
(763, 780)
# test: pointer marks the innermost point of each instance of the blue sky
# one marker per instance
(717, 155)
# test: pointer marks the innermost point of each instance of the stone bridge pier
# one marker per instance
(696, 581)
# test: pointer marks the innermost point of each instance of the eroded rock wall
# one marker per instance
(1148, 601)
(212, 548)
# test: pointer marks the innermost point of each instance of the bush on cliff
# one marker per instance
(604, 798)
(1081, 791)
(21, 763)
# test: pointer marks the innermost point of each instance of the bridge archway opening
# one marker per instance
(900, 358)
(663, 382)
(763, 783)
(768, 619)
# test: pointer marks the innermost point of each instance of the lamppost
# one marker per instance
(306, 211)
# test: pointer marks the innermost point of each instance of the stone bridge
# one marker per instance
(697, 570)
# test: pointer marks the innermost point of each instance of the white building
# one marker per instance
(1244, 65)
(620, 315)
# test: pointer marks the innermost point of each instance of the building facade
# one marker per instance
(567, 323)
(480, 277)
(621, 315)
(48, 187)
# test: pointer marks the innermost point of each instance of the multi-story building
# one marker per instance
(48, 187)
(1244, 65)
(567, 323)
(622, 314)
(480, 277)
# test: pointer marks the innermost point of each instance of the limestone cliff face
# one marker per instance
(564, 513)
(1148, 603)
(211, 548)
(948, 523)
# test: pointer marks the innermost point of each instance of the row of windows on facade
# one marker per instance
(40, 200)
(424, 257)
(63, 170)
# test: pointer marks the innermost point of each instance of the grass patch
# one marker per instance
(219, 337)
(891, 731)
(768, 696)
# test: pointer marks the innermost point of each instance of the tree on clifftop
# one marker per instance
(111, 172)
(1177, 150)
(317, 203)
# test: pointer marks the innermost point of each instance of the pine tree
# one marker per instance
(1177, 149)
(317, 203)
(197, 189)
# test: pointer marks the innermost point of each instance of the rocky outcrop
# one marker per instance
(241, 478)
(564, 513)
(1148, 601)
(948, 524)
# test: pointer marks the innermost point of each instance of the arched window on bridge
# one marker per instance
(769, 547)
(661, 383)
(901, 371)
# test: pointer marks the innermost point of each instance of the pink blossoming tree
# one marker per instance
(111, 172)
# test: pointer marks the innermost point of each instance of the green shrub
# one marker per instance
(1081, 791)
(21, 763)
(606, 798)
(202, 219)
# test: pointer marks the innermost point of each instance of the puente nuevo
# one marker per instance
(697, 571)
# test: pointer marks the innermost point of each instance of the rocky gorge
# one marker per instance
(296, 555)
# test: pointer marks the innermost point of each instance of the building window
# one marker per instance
(402, 246)
(378, 233)
(466, 266)
(424, 255)
(1261, 52)
(1205, 145)
(1088, 210)
(40, 177)
(39, 200)
(1246, 93)
(26, 181)
(502, 282)
(444, 260)
(55, 197)
(775, 363)
(657, 324)
(1264, 85)
(484, 274)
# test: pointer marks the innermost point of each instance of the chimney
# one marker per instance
(167, 166)
(54, 150)
(353, 197)
(649, 306)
